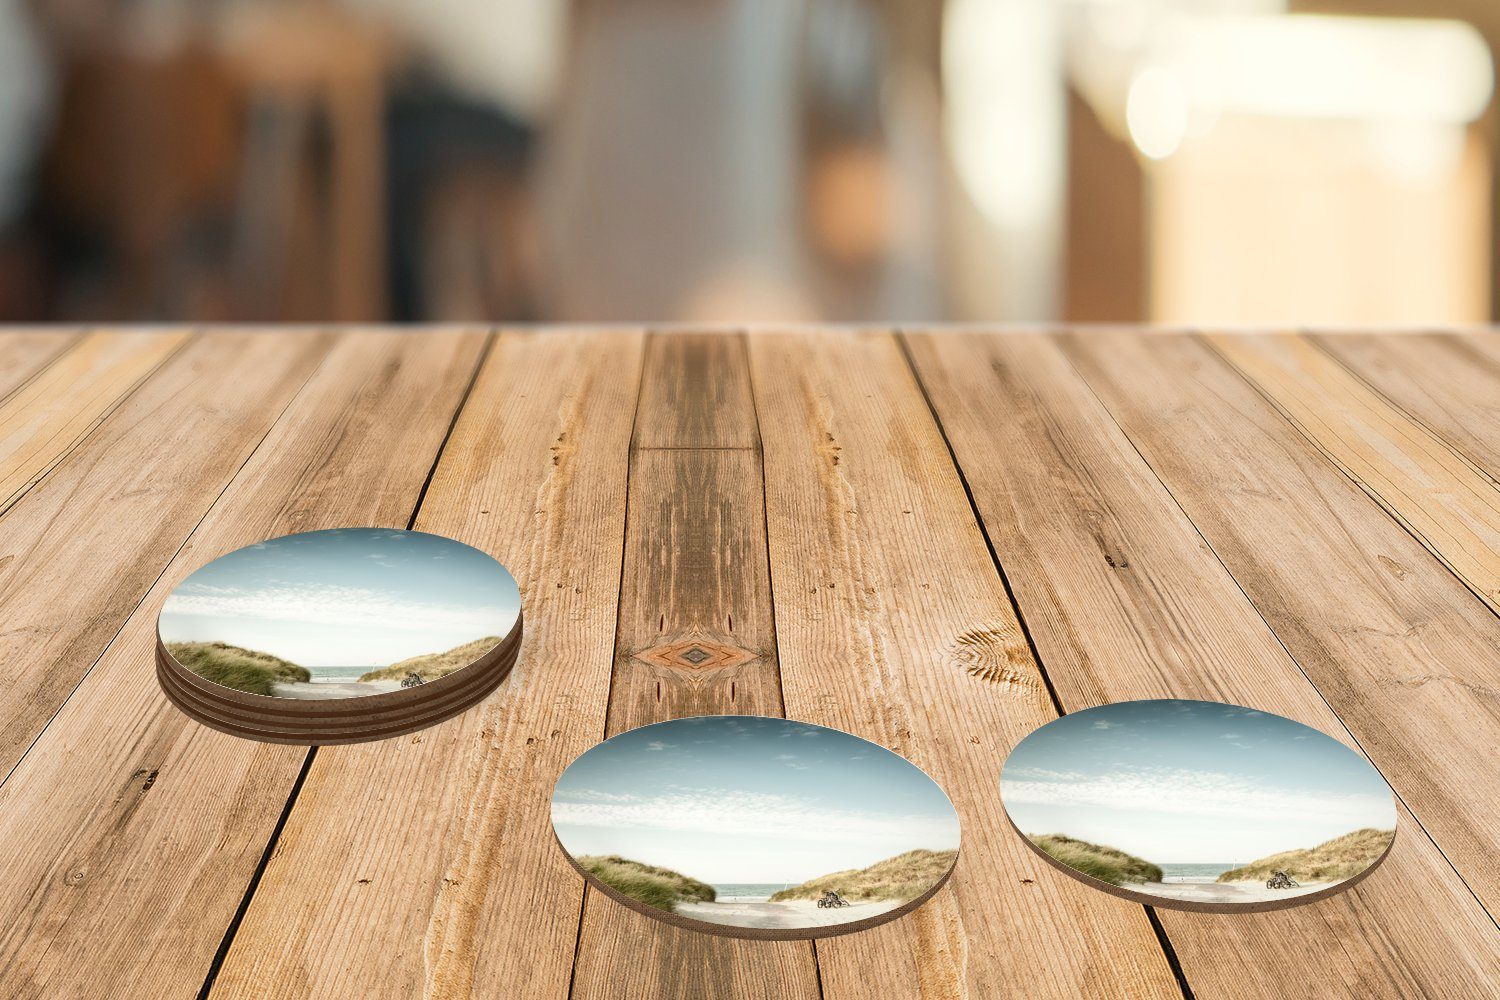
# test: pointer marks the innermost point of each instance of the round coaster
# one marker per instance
(755, 827)
(1197, 805)
(338, 636)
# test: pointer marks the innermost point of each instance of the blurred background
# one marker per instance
(1171, 161)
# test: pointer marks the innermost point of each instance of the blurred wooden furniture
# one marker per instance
(140, 174)
(1301, 524)
(315, 83)
(224, 167)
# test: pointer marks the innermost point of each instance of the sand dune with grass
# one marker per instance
(657, 887)
(431, 666)
(1104, 863)
(235, 667)
(1331, 861)
(1312, 868)
(870, 891)
(902, 878)
(256, 672)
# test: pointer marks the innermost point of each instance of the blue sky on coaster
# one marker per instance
(345, 597)
(1191, 782)
(731, 799)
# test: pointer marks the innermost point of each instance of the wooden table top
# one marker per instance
(936, 541)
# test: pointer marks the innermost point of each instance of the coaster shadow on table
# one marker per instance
(1196, 805)
(753, 827)
(338, 636)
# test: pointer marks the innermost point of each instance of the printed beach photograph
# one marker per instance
(775, 827)
(1198, 805)
(341, 613)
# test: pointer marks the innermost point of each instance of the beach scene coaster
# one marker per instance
(1197, 805)
(338, 636)
(755, 827)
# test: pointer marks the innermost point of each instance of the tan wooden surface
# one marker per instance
(937, 541)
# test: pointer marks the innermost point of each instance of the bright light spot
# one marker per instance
(1157, 112)
(1352, 68)
(1416, 152)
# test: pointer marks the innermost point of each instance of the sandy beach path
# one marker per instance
(342, 689)
(796, 913)
(1226, 892)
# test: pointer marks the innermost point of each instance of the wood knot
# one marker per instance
(996, 655)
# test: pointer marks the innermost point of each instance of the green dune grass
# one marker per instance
(431, 666)
(1331, 861)
(1104, 863)
(658, 887)
(232, 666)
(904, 877)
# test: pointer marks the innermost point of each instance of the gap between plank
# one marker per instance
(255, 877)
(765, 513)
(1417, 421)
(312, 752)
(1348, 473)
(193, 337)
(72, 336)
(1249, 600)
(1168, 952)
(1317, 344)
(614, 651)
(292, 398)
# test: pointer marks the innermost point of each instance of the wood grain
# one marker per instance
(695, 577)
(425, 866)
(1395, 644)
(121, 504)
(1450, 382)
(1159, 514)
(695, 393)
(1124, 600)
(131, 832)
(23, 353)
(892, 624)
(1440, 496)
(46, 417)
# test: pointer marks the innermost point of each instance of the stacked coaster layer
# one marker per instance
(341, 635)
(335, 720)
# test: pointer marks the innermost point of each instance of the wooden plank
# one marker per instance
(1393, 641)
(128, 833)
(892, 624)
(80, 549)
(694, 394)
(23, 353)
(1450, 382)
(1441, 497)
(1124, 600)
(45, 418)
(426, 866)
(695, 575)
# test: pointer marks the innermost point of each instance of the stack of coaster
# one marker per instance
(338, 636)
